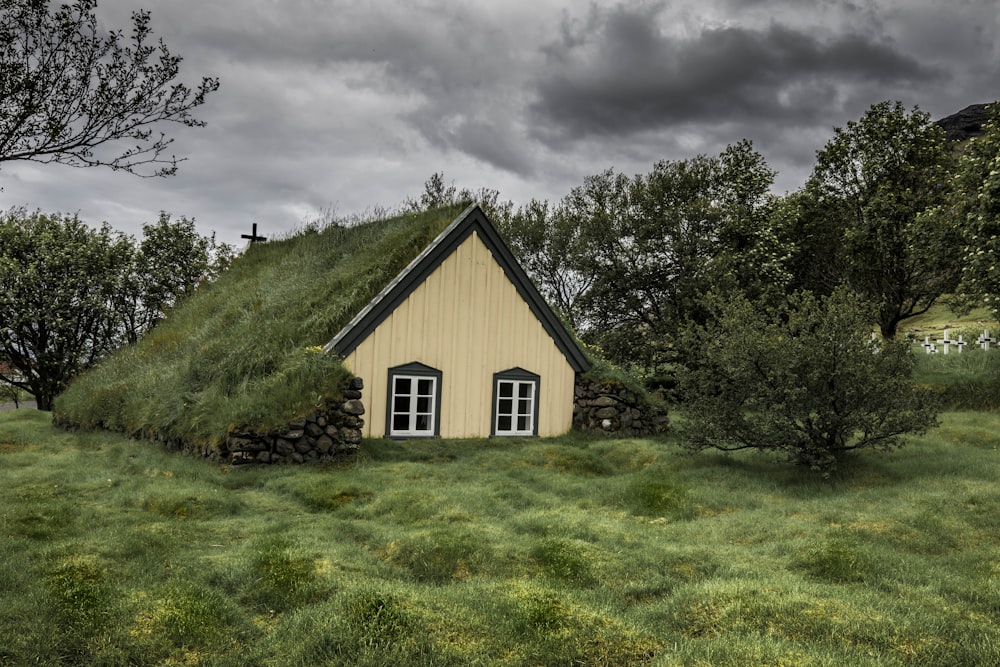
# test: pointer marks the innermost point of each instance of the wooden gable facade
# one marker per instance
(461, 344)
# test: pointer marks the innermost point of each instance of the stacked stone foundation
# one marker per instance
(608, 406)
(331, 433)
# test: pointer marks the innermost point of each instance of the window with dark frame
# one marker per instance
(414, 401)
(515, 403)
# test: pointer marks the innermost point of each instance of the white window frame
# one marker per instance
(520, 407)
(416, 374)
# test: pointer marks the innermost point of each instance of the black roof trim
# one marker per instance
(470, 220)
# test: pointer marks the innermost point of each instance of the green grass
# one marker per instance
(969, 380)
(941, 317)
(498, 552)
(242, 352)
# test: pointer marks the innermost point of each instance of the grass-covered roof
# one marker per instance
(244, 351)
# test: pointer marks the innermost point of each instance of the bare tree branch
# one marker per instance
(72, 95)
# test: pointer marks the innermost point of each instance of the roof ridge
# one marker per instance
(400, 287)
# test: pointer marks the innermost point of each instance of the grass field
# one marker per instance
(572, 551)
(941, 317)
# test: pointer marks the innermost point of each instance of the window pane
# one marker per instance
(503, 423)
(400, 422)
(402, 386)
(524, 407)
(423, 404)
(524, 423)
(401, 404)
(524, 389)
(506, 389)
(425, 387)
(505, 406)
(423, 423)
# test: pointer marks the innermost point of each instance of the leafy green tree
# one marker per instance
(976, 207)
(874, 192)
(815, 242)
(70, 92)
(58, 278)
(170, 262)
(547, 242)
(804, 379)
(659, 242)
(436, 193)
(69, 294)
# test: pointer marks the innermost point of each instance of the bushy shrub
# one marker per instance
(804, 379)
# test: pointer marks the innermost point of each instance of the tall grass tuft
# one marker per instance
(278, 578)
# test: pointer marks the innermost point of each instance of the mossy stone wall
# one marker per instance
(608, 406)
(330, 433)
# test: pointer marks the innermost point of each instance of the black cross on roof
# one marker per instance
(253, 235)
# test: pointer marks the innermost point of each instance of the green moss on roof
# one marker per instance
(243, 352)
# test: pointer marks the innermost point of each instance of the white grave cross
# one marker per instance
(961, 343)
(985, 339)
(945, 342)
(928, 346)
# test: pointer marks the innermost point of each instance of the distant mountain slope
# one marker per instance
(965, 124)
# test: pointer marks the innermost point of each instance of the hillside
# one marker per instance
(244, 352)
(966, 123)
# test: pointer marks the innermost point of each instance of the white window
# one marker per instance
(414, 401)
(515, 403)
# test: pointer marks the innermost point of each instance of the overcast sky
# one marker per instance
(339, 105)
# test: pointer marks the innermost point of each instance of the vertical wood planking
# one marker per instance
(467, 320)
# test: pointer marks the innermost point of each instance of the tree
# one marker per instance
(876, 185)
(436, 194)
(804, 379)
(547, 242)
(70, 92)
(657, 243)
(69, 294)
(170, 262)
(976, 207)
(57, 279)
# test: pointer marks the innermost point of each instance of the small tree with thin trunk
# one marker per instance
(805, 380)
(58, 278)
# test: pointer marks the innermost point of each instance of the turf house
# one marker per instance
(461, 344)
(420, 325)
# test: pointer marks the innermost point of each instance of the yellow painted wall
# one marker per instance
(468, 321)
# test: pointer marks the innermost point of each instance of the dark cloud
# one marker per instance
(628, 76)
(347, 104)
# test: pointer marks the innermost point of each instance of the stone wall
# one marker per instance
(330, 433)
(608, 406)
